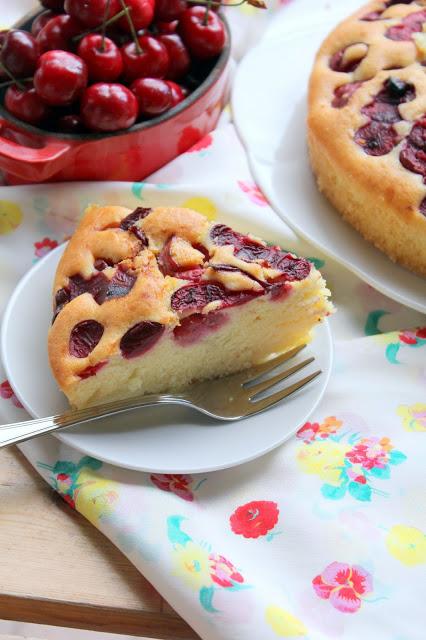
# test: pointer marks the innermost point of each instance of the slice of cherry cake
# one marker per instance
(152, 300)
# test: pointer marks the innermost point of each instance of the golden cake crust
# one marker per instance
(379, 196)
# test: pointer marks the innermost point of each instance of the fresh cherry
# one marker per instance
(178, 55)
(25, 104)
(166, 27)
(108, 107)
(58, 33)
(154, 96)
(20, 52)
(167, 10)
(70, 123)
(92, 13)
(3, 36)
(53, 5)
(152, 62)
(203, 40)
(40, 21)
(178, 93)
(141, 12)
(60, 77)
(102, 56)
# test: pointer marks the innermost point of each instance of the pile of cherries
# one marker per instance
(102, 65)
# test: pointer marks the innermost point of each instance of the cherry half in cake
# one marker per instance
(152, 300)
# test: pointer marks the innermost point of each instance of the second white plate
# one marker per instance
(269, 106)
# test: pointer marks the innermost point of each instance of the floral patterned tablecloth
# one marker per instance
(322, 538)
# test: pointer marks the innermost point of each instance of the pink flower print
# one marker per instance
(223, 572)
(253, 192)
(343, 585)
(8, 393)
(312, 430)
(308, 432)
(174, 483)
(43, 247)
(371, 452)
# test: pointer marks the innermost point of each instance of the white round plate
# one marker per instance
(269, 107)
(161, 439)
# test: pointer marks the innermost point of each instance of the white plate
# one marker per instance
(161, 439)
(269, 107)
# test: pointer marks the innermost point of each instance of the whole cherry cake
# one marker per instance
(367, 126)
(152, 300)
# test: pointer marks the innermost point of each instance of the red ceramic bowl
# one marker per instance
(29, 154)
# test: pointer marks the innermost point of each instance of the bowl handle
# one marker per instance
(32, 164)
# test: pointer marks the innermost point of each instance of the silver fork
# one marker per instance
(230, 398)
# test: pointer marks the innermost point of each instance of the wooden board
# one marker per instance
(56, 568)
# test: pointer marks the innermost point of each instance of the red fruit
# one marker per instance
(20, 52)
(41, 20)
(154, 96)
(53, 5)
(3, 36)
(142, 13)
(84, 338)
(167, 10)
(178, 93)
(91, 13)
(140, 338)
(25, 104)
(108, 107)
(60, 78)
(58, 33)
(166, 27)
(376, 138)
(203, 40)
(129, 222)
(70, 124)
(90, 371)
(152, 62)
(178, 55)
(102, 56)
(198, 326)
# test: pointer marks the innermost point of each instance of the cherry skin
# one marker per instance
(167, 10)
(20, 52)
(142, 13)
(103, 58)
(203, 40)
(152, 62)
(154, 96)
(179, 93)
(53, 5)
(3, 36)
(91, 13)
(58, 33)
(41, 20)
(25, 104)
(60, 77)
(165, 27)
(178, 56)
(108, 107)
(70, 123)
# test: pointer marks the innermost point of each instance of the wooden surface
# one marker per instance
(56, 568)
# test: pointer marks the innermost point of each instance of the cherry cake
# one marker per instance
(152, 300)
(367, 126)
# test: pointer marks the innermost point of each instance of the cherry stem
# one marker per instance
(132, 27)
(108, 4)
(11, 76)
(206, 15)
(10, 82)
(102, 26)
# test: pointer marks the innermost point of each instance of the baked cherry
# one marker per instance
(167, 10)
(102, 56)
(20, 52)
(142, 13)
(84, 338)
(343, 94)
(58, 33)
(60, 77)
(70, 123)
(108, 107)
(179, 93)
(92, 13)
(25, 104)
(140, 338)
(178, 55)
(204, 38)
(165, 27)
(151, 62)
(376, 138)
(53, 5)
(40, 21)
(154, 96)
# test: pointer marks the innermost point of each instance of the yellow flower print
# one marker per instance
(202, 205)
(407, 544)
(285, 624)
(413, 417)
(10, 216)
(192, 564)
(95, 496)
(323, 459)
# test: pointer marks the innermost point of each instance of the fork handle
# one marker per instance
(20, 431)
